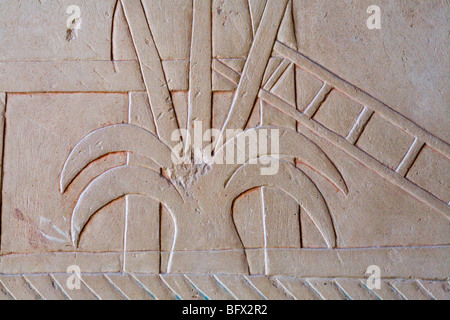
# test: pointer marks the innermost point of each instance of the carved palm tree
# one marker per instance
(200, 197)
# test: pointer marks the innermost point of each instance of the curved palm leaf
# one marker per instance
(293, 182)
(118, 182)
(115, 138)
(293, 144)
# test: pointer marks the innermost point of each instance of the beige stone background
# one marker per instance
(366, 178)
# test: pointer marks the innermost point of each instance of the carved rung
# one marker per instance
(318, 100)
(356, 153)
(410, 157)
(226, 71)
(358, 128)
(362, 97)
(277, 74)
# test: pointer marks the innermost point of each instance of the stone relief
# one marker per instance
(129, 153)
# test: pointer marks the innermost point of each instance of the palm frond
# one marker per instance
(292, 144)
(115, 138)
(293, 182)
(117, 183)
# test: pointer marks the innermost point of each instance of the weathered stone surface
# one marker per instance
(404, 64)
(37, 31)
(343, 163)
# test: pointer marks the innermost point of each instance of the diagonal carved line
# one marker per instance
(370, 290)
(256, 8)
(177, 296)
(226, 71)
(255, 288)
(397, 291)
(116, 287)
(420, 284)
(144, 287)
(277, 74)
(342, 290)
(188, 285)
(140, 284)
(362, 97)
(282, 286)
(269, 287)
(225, 288)
(364, 158)
(359, 126)
(33, 288)
(318, 100)
(5, 288)
(60, 287)
(208, 287)
(156, 287)
(204, 295)
(314, 289)
(90, 289)
(129, 287)
(182, 287)
(410, 157)
(152, 70)
(252, 75)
